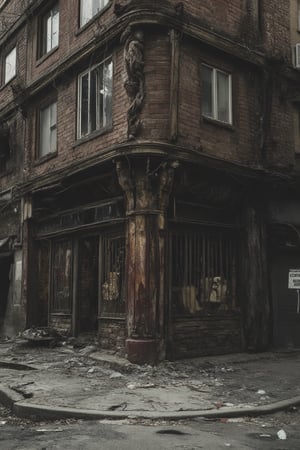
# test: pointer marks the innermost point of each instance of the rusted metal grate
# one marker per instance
(62, 276)
(112, 258)
(202, 271)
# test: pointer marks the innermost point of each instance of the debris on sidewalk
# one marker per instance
(282, 435)
(41, 334)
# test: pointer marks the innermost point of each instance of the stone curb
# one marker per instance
(34, 411)
(8, 397)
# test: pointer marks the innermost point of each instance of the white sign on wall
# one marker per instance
(294, 279)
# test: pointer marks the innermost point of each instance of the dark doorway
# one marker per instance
(88, 254)
(286, 316)
(5, 264)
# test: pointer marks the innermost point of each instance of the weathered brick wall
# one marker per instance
(205, 336)
(155, 114)
(239, 142)
(276, 29)
(112, 334)
(61, 323)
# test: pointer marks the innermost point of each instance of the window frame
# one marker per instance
(208, 255)
(57, 245)
(118, 242)
(108, 121)
(7, 54)
(42, 30)
(43, 106)
(214, 81)
(83, 23)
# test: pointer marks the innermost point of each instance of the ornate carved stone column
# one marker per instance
(133, 41)
(147, 196)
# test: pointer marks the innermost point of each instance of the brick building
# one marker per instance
(148, 172)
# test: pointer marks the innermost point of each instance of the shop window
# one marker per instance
(49, 31)
(216, 94)
(112, 259)
(202, 272)
(10, 65)
(61, 294)
(87, 283)
(89, 8)
(47, 129)
(5, 150)
(95, 98)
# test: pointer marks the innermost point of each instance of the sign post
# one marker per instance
(294, 283)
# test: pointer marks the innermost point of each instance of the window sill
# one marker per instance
(46, 56)
(92, 136)
(92, 19)
(120, 317)
(45, 158)
(7, 83)
(218, 123)
(60, 313)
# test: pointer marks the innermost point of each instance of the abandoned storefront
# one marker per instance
(155, 276)
(12, 313)
(80, 271)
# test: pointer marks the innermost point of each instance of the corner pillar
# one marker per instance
(147, 196)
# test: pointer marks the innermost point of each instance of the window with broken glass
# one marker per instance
(112, 266)
(95, 98)
(203, 271)
(61, 293)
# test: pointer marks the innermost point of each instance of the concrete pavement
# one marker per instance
(39, 382)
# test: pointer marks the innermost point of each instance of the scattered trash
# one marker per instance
(264, 435)
(122, 406)
(140, 386)
(116, 375)
(282, 435)
(43, 334)
(3, 422)
(227, 444)
(92, 370)
(236, 420)
(261, 392)
(49, 430)
(19, 388)
(229, 405)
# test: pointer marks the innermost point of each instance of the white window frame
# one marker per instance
(215, 115)
(10, 65)
(49, 38)
(89, 8)
(101, 116)
(50, 129)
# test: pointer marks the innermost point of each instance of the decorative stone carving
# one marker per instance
(135, 83)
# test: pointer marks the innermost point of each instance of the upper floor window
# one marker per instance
(89, 8)
(95, 98)
(216, 94)
(10, 65)
(47, 129)
(49, 30)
